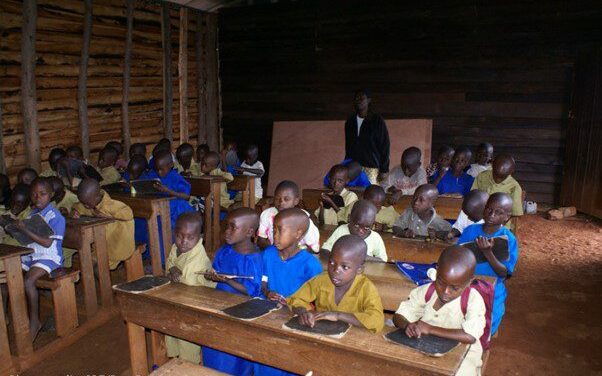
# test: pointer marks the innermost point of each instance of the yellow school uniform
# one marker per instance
(68, 201)
(332, 217)
(189, 263)
(109, 175)
(48, 173)
(23, 215)
(484, 182)
(195, 168)
(224, 196)
(387, 215)
(120, 232)
(361, 300)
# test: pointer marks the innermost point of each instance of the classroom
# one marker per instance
(300, 187)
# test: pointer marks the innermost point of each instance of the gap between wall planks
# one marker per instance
(183, 74)
(200, 80)
(127, 62)
(2, 160)
(82, 83)
(167, 78)
(211, 55)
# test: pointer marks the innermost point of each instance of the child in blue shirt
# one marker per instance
(286, 267)
(357, 177)
(497, 212)
(240, 257)
(47, 251)
(455, 179)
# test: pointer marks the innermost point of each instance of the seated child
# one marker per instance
(164, 144)
(497, 212)
(5, 190)
(48, 252)
(137, 149)
(386, 215)
(94, 202)
(252, 167)
(18, 207)
(442, 162)
(499, 179)
(421, 219)
(64, 165)
(185, 165)
(339, 176)
(230, 157)
(76, 152)
(136, 169)
(186, 262)
(63, 199)
(360, 223)
(443, 315)
(483, 160)
(286, 266)
(201, 151)
(357, 177)
(286, 196)
(26, 175)
(121, 163)
(106, 166)
(209, 167)
(455, 180)
(405, 178)
(471, 213)
(241, 257)
(55, 155)
(343, 293)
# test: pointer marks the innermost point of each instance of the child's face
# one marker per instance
(360, 224)
(26, 178)
(444, 159)
(53, 161)
(500, 170)
(448, 286)
(410, 167)
(137, 150)
(343, 267)
(91, 201)
(376, 199)
(74, 154)
(163, 167)
(421, 202)
(285, 199)
(484, 156)
(251, 156)
(237, 230)
(495, 214)
(286, 234)
(460, 161)
(338, 180)
(102, 161)
(208, 165)
(135, 170)
(185, 158)
(187, 236)
(41, 195)
(18, 203)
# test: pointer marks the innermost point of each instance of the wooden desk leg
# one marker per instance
(153, 244)
(216, 208)
(208, 224)
(102, 258)
(18, 305)
(87, 274)
(252, 193)
(6, 361)
(164, 212)
(137, 343)
(158, 350)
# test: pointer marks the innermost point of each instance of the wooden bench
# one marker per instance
(208, 187)
(134, 268)
(62, 284)
(179, 367)
(246, 185)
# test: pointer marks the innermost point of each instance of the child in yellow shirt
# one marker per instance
(209, 167)
(386, 215)
(329, 212)
(63, 199)
(106, 166)
(185, 164)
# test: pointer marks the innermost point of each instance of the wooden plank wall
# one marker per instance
(58, 45)
(497, 71)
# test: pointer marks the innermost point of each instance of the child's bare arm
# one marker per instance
(339, 316)
(486, 246)
(44, 242)
(254, 171)
(455, 334)
(170, 192)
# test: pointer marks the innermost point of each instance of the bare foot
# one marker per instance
(34, 329)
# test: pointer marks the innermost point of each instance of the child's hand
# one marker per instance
(329, 315)
(161, 188)
(240, 170)
(213, 276)
(450, 235)
(307, 318)
(418, 329)
(431, 233)
(19, 224)
(379, 227)
(64, 212)
(175, 274)
(99, 214)
(484, 244)
(74, 213)
(186, 174)
(274, 296)
(408, 233)
(395, 196)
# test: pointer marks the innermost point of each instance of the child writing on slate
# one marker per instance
(473, 206)
(442, 314)
(185, 164)
(497, 212)
(286, 266)
(136, 169)
(54, 157)
(343, 293)
(386, 215)
(405, 178)
(360, 223)
(421, 219)
(63, 199)
(239, 257)
(94, 202)
(286, 196)
(209, 166)
(455, 180)
(48, 251)
(252, 167)
(482, 160)
(120, 163)
(106, 166)
(338, 179)
(186, 262)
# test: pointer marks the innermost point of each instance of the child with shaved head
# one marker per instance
(405, 178)
(185, 163)
(360, 224)
(473, 206)
(343, 293)
(483, 160)
(440, 312)
(497, 212)
(455, 180)
(63, 199)
(330, 212)
(238, 257)
(106, 165)
(209, 166)
(357, 177)
(421, 219)
(185, 264)
(386, 215)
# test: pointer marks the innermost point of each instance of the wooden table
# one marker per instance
(151, 207)
(246, 185)
(208, 187)
(194, 314)
(81, 234)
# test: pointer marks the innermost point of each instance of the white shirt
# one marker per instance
(360, 120)
(374, 242)
(259, 166)
(475, 169)
(311, 238)
(463, 221)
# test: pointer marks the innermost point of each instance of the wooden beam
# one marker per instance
(212, 83)
(82, 91)
(127, 63)
(2, 159)
(183, 74)
(28, 84)
(167, 79)
(200, 80)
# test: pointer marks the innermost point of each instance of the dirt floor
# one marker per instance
(553, 322)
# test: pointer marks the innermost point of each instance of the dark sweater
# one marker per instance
(371, 147)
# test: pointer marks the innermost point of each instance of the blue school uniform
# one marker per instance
(176, 182)
(360, 181)
(471, 233)
(228, 261)
(451, 184)
(140, 224)
(47, 258)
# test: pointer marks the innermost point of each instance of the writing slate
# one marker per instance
(83, 220)
(143, 284)
(5, 220)
(336, 329)
(146, 187)
(35, 224)
(116, 187)
(429, 345)
(500, 249)
(252, 309)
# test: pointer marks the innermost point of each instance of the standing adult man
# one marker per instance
(367, 138)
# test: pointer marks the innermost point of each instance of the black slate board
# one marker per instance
(118, 187)
(35, 224)
(143, 284)
(252, 309)
(146, 187)
(335, 329)
(429, 345)
(500, 249)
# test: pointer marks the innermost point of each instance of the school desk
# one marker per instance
(81, 235)
(208, 187)
(194, 314)
(246, 185)
(151, 207)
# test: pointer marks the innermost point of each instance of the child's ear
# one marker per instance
(360, 269)
(296, 201)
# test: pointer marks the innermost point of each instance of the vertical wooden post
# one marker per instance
(127, 62)
(28, 84)
(167, 79)
(200, 80)
(82, 92)
(2, 159)
(212, 83)
(183, 74)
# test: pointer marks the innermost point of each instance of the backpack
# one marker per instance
(485, 289)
